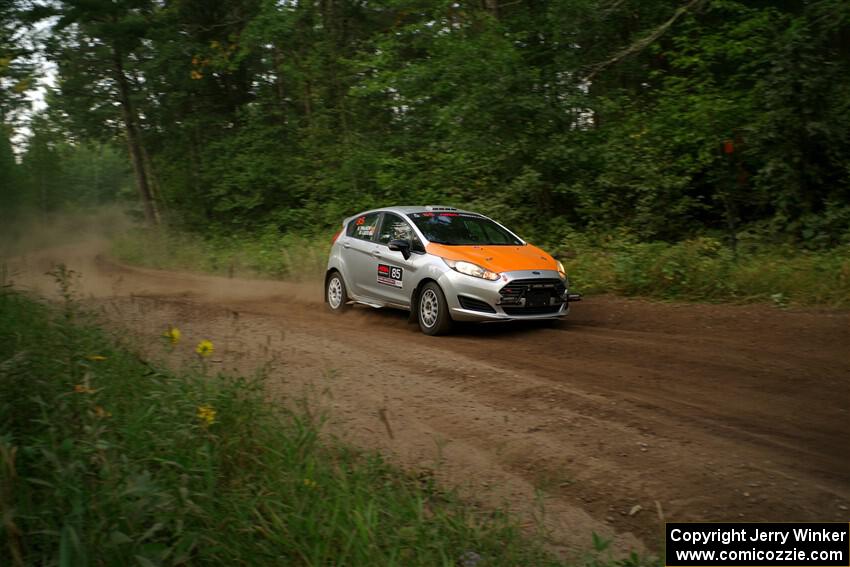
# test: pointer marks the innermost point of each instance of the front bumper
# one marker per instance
(519, 295)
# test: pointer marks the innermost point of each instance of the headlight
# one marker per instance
(562, 270)
(471, 269)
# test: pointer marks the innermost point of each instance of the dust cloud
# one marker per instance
(82, 241)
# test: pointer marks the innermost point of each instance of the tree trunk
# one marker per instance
(153, 184)
(133, 143)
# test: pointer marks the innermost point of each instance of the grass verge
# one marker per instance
(700, 269)
(703, 269)
(107, 459)
(269, 254)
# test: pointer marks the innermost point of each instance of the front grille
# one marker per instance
(475, 304)
(538, 296)
(545, 310)
(518, 288)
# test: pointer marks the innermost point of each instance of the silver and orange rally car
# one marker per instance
(443, 264)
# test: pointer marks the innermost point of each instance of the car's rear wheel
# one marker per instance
(335, 294)
(433, 311)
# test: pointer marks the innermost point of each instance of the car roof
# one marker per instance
(408, 209)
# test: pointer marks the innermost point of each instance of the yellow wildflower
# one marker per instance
(96, 358)
(173, 334)
(206, 414)
(101, 412)
(196, 75)
(204, 348)
(83, 389)
(310, 483)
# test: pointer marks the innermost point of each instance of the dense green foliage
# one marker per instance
(106, 459)
(16, 66)
(57, 175)
(668, 121)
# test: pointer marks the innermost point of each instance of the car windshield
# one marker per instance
(460, 229)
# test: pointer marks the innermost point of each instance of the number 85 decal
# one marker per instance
(390, 275)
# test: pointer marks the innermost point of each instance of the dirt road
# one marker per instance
(625, 414)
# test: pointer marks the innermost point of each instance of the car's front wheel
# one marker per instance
(433, 311)
(335, 293)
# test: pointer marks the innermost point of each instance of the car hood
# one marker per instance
(497, 258)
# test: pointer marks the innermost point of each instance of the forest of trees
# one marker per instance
(658, 119)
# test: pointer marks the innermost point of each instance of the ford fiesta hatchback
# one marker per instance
(444, 265)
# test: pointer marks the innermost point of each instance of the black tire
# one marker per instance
(336, 296)
(432, 311)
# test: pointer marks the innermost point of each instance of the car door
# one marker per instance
(358, 247)
(394, 275)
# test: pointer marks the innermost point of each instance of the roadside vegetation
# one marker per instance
(700, 269)
(268, 254)
(109, 459)
(703, 269)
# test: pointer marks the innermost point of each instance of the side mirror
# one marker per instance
(402, 246)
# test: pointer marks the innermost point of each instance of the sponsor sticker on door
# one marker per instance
(390, 275)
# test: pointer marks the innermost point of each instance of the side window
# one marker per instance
(394, 228)
(364, 226)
